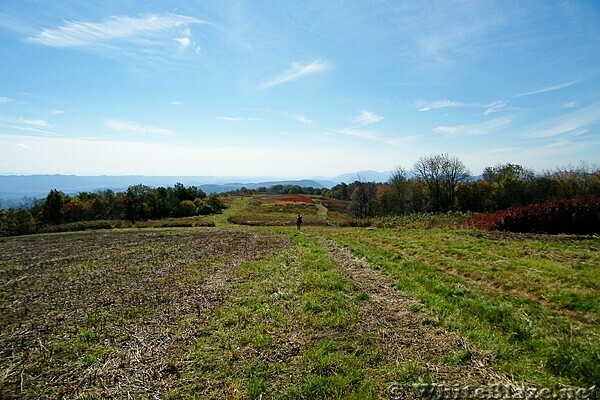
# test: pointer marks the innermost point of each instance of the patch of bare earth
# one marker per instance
(111, 314)
(407, 330)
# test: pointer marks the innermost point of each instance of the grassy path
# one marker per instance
(531, 302)
(321, 211)
(405, 328)
(290, 328)
(313, 321)
(238, 204)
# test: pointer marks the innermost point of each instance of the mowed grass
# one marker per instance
(290, 328)
(531, 301)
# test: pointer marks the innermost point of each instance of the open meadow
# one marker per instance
(247, 312)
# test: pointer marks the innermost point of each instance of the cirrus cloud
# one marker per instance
(367, 117)
(482, 128)
(152, 38)
(434, 105)
(39, 123)
(83, 34)
(297, 71)
(135, 128)
(300, 118)
(374, 136)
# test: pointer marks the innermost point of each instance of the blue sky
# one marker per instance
(295, 88)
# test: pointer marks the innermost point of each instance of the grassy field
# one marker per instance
(244, 312)
(530, 301)
(281, 210)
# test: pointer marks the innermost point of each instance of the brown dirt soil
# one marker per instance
(407, 330)
(111, 314)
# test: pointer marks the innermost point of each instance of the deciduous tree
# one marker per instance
(442, 174)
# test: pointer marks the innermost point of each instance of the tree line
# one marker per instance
(276, 189)
(137, 203)
(441, 183)
(437, 183)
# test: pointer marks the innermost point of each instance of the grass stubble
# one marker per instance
(111, 313)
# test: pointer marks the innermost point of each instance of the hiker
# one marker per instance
(298, 221)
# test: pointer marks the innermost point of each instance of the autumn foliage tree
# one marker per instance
(442, 174)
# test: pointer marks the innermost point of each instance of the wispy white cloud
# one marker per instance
(449, 130)
(359, 133)
(462, 29)
(474, 129)
(183, 41)
(176, 103)
(135, 128)
(490, 108)
(84, 34)
(153, 39)
(548, 89)
(495, 107)
(40, 123)
(297, 71)
(4, 100)
(370, 135)
(27, 125)
(436, 104)
(300, 118)
(575, 123)
(366, 117)
(282, 113)
(32, 129)
(571, 104)
(55, 112)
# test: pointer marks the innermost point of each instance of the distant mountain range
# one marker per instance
(14, 188)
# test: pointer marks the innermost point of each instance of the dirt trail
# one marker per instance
(407, 330)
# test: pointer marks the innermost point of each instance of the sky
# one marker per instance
(295, 88)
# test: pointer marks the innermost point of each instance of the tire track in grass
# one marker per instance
(292, 327)
(406, 329)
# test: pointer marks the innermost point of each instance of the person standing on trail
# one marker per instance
(298, 221)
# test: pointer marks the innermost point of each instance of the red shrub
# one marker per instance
(336, 205)
(296, 198)
(290, 198)
(578, 216)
